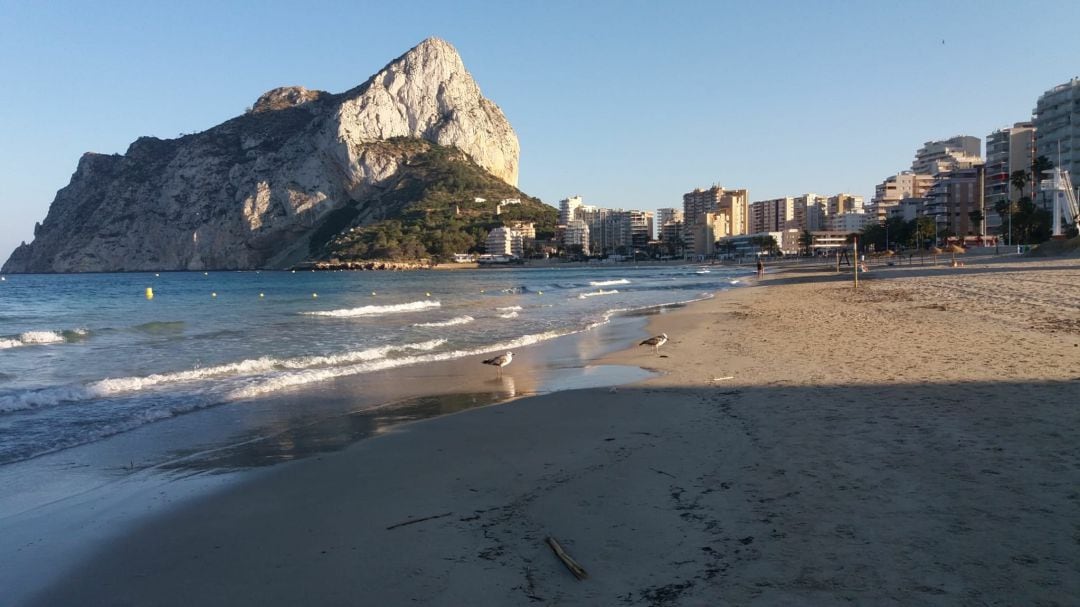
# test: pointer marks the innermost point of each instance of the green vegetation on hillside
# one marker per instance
(428, 210)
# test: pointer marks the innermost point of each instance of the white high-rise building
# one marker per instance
(576, 234)
(668, 215)
(504, 241)
(1057, 127)
(568, 209)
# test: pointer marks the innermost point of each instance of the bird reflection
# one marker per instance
(504, 384)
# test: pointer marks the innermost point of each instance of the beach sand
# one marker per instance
(913, 442)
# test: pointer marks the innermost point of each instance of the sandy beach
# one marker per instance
(912, 442)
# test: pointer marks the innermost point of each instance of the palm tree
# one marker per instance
(806, 239)
(1019, 179)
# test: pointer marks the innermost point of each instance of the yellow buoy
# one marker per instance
(213, 295)
(428, 294)
(373, 293)
(314, 294)
(260, 294)
(149, 293)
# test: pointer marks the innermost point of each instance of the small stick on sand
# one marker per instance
(418, 520)
(570, 563)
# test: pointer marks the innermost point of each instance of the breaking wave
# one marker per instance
(377, 310)
(459, 320)
(30, 399)
(292, 379)
(41, 338)
(597, 292)
(608, 283)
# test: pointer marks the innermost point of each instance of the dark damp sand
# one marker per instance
(58, 509)
(915, 442)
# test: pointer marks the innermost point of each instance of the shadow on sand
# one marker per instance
(954, 493)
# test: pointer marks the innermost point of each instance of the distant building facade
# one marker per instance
(730, 214)
(568, 209)
(576, 234)
(896, 188)
(668, 215)
(959, 152)
(954, 200)
(847, 222)
(775, 215)
(504, 241)
(1007, 150)
(1057, 127)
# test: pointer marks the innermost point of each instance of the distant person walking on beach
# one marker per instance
(760, 268)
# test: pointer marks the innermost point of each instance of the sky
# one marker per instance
(629, 104)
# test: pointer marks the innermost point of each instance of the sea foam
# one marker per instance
(307, 376)
(41, 338)
(607, 283)
(459, 320)
(30, 399)
(597, 292)
(377, 310)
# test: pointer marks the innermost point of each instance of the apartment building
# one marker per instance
(810, 211)
(844, 203)
(702, 236)
(668, 215)
(671, 233)
(730, 204)
(641, 228)
(504, 241)
(1007, 150)
(774, 215)
(959, 152)
(1057, 127)
(954, 198)
(576, 234)
(847, 222)
(895, 188)
(568, 209)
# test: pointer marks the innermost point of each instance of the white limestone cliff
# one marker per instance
(248, 193)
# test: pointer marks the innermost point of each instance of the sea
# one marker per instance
(88, 356)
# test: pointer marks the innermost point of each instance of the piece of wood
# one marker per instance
(578, 571)
(418, 520)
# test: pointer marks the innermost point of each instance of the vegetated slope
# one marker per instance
(429, 209)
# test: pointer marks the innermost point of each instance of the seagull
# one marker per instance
(500, 361)
(655, 342)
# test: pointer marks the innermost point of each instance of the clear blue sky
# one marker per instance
(627, 103)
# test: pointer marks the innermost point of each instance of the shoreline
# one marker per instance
(805, 442)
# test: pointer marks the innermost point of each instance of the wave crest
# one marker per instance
(376, 310)
(597, 292)
(459, 320)
(42, 338)
(46, 397)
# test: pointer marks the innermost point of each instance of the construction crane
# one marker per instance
(1060, 187)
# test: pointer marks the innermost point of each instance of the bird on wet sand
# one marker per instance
(655, 342)
(500, 361)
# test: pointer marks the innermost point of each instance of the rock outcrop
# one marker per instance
(250, 192)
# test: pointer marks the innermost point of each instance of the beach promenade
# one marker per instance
(914, 442)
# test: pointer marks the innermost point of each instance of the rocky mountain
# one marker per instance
(276, 185)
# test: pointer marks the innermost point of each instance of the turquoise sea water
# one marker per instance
(84, 357)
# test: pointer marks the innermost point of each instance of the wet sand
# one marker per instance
(913, 442)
